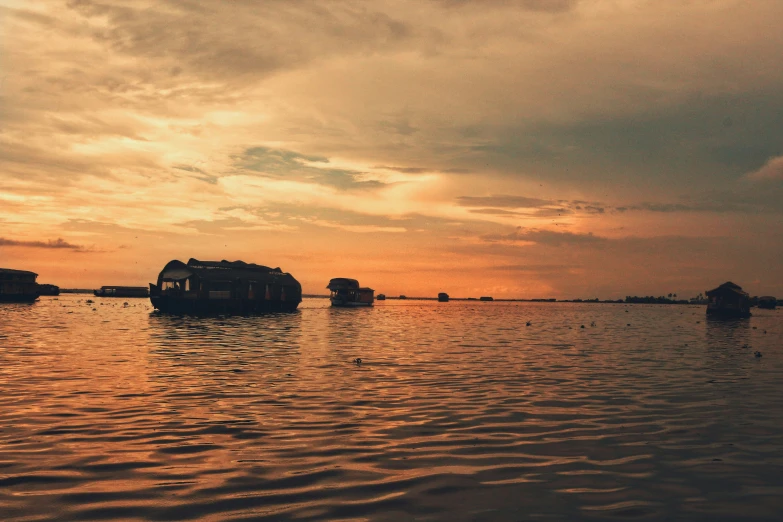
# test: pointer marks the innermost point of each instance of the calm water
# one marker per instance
(459, 411)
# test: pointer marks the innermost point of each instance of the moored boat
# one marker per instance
(347, 292)
(122, 291)
(46, 289)
(728, 300)
(18, 286)
(208, 287)
(443, 297)
(768, 302)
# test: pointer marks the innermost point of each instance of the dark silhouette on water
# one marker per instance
(443, 297)
(18, 286)
(122, 291)
(209, 287)
(46, 289)
(728, 300)
(347, 292)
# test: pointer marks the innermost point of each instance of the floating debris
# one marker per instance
(582, 326)
(528, 323)
(358, 360)
(757, 354)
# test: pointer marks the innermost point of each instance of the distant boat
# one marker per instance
(486, 298)
(207, 287)
(767, 302)
(443, 297)
(122, 291)
(402, 297)
(728, 300)
(18, 286)
(381, 297)
(48, 289)
(347, 292)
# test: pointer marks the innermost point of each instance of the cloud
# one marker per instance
(58, 243)
(502, 201)
(546, 237)
(550, 6)
(772, 169)
(290, 165)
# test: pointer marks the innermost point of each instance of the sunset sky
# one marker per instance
(528, 148)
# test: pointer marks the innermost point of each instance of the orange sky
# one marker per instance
(529, 148)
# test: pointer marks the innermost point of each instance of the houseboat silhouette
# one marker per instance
(208, 287)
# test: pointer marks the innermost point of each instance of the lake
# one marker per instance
(458, 411)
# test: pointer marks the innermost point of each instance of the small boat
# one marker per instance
(122, 291)
(18, 286)
(381, 297)
(402, 296)
(443, 297)
(347, 292)
(225, 287)
(768, 302)
(486, 298)
(44, 289)
(728, 300)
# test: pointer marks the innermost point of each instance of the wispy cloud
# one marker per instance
(502, 201)
(58, 243)
(291, 165)
(545, 237)
(772, 169)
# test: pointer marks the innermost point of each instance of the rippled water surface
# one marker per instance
(458, 411)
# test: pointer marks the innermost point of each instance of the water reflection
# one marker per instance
(457, 412)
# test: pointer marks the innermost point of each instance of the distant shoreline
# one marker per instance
(502, 300)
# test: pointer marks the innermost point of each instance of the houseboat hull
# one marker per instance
(18, 298)
(186, 306)
(727, 313)
(348, 304)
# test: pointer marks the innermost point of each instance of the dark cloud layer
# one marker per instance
(546, 237)
(286, 164)
(58, 243)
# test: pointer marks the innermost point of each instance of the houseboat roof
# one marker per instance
(217, 270)
(727, 287)
(343, 283)
(17, 272)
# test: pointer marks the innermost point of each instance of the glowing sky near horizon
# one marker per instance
(529, 148)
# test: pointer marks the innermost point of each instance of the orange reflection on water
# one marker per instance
(457, 409)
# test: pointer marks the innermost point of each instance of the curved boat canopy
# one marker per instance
(343, 283)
